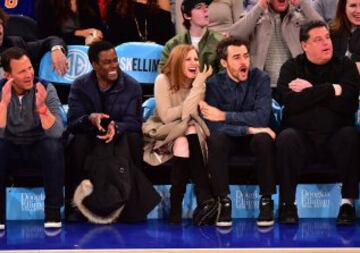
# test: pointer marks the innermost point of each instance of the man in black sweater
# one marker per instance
(320, 94)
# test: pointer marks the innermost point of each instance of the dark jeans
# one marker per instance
(296, 150)
(47, 155)
(222, 146)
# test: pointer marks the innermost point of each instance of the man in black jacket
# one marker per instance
(105, 111)
(320, 94)
(35, 49)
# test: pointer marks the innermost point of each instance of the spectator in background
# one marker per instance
(237, 111)
(345, 30)
(30, 132)
(223, 14)
(326, 9)
(35, 49)
(78, 22)
(196, 20)
(272, 27)
(144, 21)
(103, 9)
(177, 131)
(319, 92)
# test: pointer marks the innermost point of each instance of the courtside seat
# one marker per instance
(79, 64)
(140, 60)
(148, 108)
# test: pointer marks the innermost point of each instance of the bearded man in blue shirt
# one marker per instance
(237, 111)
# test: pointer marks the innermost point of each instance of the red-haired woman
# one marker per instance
(177, 131)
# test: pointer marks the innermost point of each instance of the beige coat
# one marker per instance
(174, 112)
(257, 27)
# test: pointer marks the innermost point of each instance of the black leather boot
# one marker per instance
(198, 172)
(179, 179)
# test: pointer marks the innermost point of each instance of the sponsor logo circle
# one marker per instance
(79, 64)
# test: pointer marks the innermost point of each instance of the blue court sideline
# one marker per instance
(158, 234)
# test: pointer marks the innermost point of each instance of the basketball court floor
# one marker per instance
(310, 235)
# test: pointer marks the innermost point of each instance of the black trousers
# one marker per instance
(47, 155)
(296, 150)
(190, 168)
(222, 146)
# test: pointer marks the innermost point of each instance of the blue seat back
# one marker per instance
(78, 65)
(63, 112)
(357, 117)
(148, 108)
(140, 60)
(276, 115)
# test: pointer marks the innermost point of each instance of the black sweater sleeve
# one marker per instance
(296, 102)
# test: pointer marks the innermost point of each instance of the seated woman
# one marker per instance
(345, 30)
(177, 131)
(78, 22)
(140, 20)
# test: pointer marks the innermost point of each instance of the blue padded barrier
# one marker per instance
(25, 203)
(313, 200)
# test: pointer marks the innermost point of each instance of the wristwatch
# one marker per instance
(58, 47)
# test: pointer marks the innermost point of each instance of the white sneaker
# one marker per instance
(2, 226)
(52, 218)
(52, 224)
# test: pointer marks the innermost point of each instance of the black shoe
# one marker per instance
(223, 218)
(52, 218)
(347, 215)
(266, 216)
(288, 214)
(206, 212)
(2, 221)
(2, 224)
